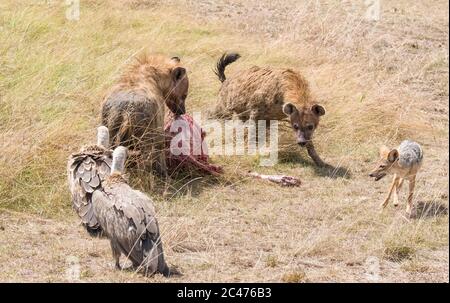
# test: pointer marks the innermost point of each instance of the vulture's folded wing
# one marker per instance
(86, 172)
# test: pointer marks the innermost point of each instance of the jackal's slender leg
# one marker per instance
(397, 190)
(412, 185)
(391, 189)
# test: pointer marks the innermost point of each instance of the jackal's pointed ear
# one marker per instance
(318, 110)
(289, 109)
(178, 73)
(393, 155)
(384, 151)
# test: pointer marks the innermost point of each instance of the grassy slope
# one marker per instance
(379, 82)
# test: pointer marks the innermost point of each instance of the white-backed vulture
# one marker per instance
(87, 170)
(127, 218)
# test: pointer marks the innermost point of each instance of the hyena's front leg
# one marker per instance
(391, 189)
(412, 185)
(160, 148)
(313, 154)
(154, 157)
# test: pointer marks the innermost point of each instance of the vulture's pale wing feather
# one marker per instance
(124, 202)
(95, 181)
(83, 211)
(86, 172)
(144, 203)
(86, 187)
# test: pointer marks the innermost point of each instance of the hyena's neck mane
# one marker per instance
(150, 74)
(296, 88)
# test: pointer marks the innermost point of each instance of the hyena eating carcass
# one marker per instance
(134, 109)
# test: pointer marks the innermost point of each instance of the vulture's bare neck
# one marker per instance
(103, 137)
(118, 162)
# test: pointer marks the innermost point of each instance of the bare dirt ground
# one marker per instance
(35, 249)
(380, 81)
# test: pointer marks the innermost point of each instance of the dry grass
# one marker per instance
(379, 81)
(295, 277)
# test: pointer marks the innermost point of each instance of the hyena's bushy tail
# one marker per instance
(225, 60)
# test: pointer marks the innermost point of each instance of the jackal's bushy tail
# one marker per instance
(225, 60)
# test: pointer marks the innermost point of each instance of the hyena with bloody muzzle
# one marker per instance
(264, 93)
(134, 110)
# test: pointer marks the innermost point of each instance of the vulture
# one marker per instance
(127, 218)
(87, 170)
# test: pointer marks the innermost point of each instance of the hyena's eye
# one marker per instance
(310, 127)
(295, 126)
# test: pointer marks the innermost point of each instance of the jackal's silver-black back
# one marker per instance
(410, 153)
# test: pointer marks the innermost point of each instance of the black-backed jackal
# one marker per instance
(404, 163)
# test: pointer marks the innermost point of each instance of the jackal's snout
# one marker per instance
(377, 175)
(385, 164)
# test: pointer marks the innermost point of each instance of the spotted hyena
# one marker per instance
(265, 93)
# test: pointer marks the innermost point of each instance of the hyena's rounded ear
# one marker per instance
(318, 110)
(393, 155)
(178, 73)
(289, 109)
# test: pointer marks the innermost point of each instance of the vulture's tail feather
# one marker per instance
(95, 232)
